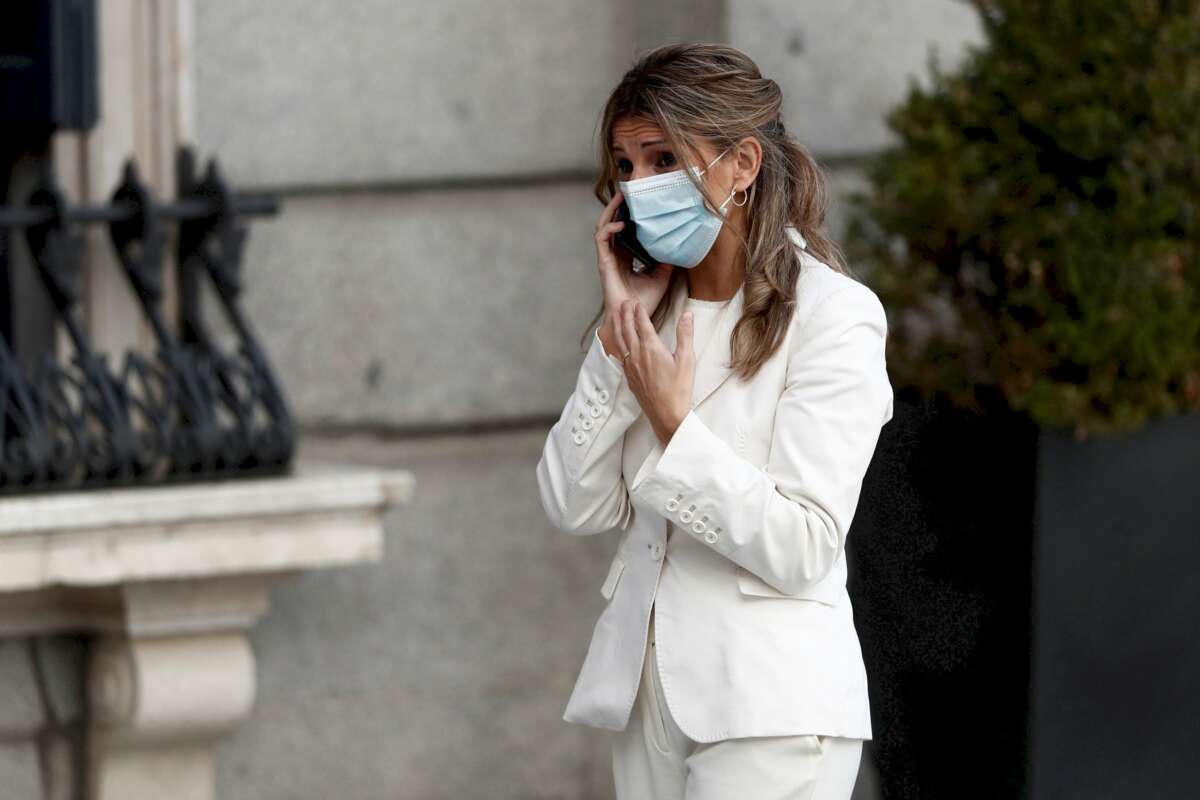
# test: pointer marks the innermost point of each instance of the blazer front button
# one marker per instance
(711, 537)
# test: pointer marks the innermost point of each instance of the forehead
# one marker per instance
(626, 129)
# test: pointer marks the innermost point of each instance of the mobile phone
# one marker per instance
(627, 238)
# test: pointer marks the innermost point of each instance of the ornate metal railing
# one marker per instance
(191, 410)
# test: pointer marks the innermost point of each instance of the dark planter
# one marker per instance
(1028, 608)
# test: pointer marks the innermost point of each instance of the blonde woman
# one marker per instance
(724, 416)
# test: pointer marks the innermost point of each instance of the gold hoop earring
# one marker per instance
(745, 198)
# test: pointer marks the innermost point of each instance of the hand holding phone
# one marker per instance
(617, 249)
(627, 238)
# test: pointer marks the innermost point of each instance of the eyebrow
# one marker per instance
(642, 145)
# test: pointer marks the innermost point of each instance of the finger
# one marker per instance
(685, 353)
(606, 231)
(610, 209)
(604, 243)
(619, 335)
(645, 327)
(633, 342)
(608, 258)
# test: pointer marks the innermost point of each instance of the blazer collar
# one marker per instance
(713, 366)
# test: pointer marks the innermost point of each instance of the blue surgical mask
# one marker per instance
(672, 221)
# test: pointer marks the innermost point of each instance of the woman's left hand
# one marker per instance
(661, 381)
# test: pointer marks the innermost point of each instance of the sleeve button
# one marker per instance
(579, 438)
(602, 395)
(698, 527)
(587, 424)
(686, 516)
(672, 504)
(711, 537)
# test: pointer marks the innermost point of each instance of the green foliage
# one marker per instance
(1033, 234)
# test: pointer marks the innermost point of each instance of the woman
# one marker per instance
(723, 419)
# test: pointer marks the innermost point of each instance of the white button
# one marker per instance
(602, 395)
(595, 412)
(579, 437)
(686, 516)
(672, 504)
(587, 424)
(656, 550)
(711, 537)
(698, 527)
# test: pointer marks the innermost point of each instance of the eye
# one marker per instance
(666, 159)
(624, 166)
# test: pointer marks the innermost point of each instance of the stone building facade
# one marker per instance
(422, 296)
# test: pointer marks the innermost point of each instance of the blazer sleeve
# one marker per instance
(579, 475)
(787, 522)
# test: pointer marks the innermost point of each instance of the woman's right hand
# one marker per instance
(617, 278)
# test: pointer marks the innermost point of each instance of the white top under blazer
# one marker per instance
(754, 629)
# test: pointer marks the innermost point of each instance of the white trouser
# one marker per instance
(654, 760)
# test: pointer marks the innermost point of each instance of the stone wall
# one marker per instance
(41, 718)
(422, 296)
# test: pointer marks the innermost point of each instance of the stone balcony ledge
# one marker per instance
(322, 515)
(170, 579)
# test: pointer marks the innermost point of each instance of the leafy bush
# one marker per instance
(1033, 234)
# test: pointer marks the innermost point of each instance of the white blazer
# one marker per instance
(759, 484)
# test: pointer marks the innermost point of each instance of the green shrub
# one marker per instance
(1033, 234)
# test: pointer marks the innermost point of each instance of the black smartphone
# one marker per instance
(627, 238)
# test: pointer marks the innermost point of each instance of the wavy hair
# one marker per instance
(716, 94)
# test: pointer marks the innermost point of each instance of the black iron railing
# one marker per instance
(189, 411)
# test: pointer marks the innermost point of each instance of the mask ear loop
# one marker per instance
(715, 160)
(721, 207)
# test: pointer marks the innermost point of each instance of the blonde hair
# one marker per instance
(716, 94)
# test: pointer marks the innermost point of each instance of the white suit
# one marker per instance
(755, 633)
